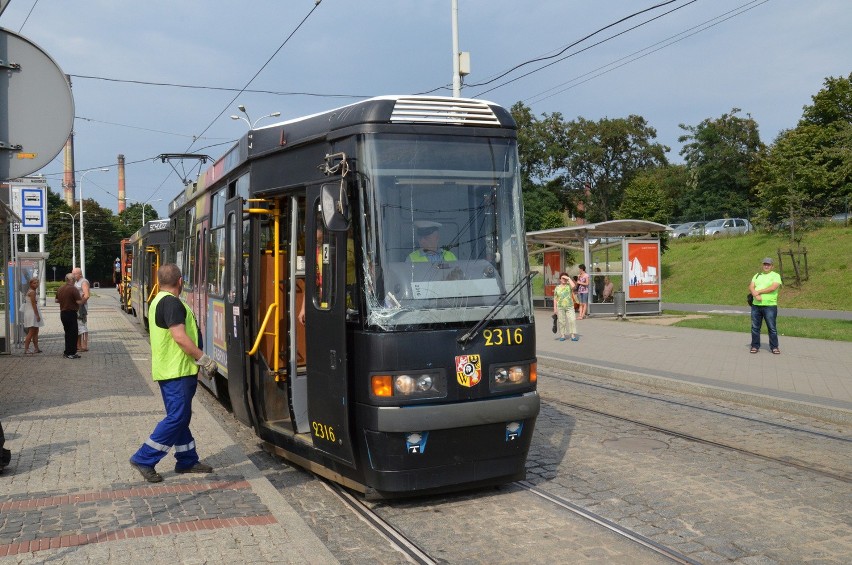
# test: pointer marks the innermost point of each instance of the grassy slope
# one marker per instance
(718, 270)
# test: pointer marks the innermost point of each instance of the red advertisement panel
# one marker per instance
(552, 267)
(643, 269)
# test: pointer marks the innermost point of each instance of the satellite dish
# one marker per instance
(36, 107)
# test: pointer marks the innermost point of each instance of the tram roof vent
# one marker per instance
(443, 111)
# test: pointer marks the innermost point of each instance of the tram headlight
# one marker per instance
(404, 384)
(408, 385)
(511, 376)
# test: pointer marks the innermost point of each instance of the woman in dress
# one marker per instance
(583, 291)
(31, 317)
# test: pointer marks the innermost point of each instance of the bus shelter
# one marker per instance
(7, 299)
(622, 259)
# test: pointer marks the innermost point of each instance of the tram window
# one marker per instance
(246, 253)
(232, 258)
(325, 253)
(242, 188)
(188, 266)
(216, 262)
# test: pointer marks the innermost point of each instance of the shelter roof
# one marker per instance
(574, 237)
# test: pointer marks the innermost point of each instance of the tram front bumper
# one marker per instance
(460, 414)
(436, 448)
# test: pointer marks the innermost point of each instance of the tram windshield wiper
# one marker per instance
(474, 331)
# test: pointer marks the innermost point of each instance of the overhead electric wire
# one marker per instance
(668, 42)
(567, 47)
(20, 29)
(141, 128)
(260, 70)
(583, 49)
(239, 92)
(220, 88)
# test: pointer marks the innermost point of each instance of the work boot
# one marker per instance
(148, 473)
(197, 468)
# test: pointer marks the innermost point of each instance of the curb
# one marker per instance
(801, 408)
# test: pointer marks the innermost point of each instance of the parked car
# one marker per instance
(672, 226)
(688, 229)
(842, 218)
(727, 226)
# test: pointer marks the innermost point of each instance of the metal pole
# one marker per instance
(456, 75)
(73, 239)
(82, 242)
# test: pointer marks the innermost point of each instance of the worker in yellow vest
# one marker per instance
(428, 236)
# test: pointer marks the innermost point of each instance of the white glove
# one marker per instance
(207, 364)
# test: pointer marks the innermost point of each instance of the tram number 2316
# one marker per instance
(503, 336)
(322, 431)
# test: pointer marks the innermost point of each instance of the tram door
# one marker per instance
(150, 287)
(237, 309)
(325, 313)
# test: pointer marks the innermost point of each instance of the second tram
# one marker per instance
(360, 277)
(150, 247)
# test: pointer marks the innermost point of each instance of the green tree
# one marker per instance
(721, 155)
(102, 241)
(129, 221)
(808, 170)
(597, 160)
(542, 209)
(832, 104)
(645, 199)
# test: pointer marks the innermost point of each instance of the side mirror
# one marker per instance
(335, 207)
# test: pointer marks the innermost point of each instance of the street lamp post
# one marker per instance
(252, 125)
(73, 240)
(148, 204)
(82, 241)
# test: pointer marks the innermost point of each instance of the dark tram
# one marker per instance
(149, 248)
(360, 277)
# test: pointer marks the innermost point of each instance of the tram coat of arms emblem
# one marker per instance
(468, 370)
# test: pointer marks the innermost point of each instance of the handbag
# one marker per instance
(555, 317)
(749, 297)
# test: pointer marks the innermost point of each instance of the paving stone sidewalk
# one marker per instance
(69, 494)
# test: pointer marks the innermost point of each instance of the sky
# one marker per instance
(697, 60)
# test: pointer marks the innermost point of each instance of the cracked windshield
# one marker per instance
(444, 233)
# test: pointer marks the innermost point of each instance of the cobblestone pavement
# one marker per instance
(70, 496)
(710, 503)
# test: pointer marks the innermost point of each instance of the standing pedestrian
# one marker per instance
(69, 301)
(31, 317)
(764, 288)
(583, 291)
(83, 286)
(175, 361)
(563, 307)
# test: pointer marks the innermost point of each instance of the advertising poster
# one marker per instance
(552, 267)
(643, 270)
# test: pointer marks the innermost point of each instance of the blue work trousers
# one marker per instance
(173, 430)
(758, 315)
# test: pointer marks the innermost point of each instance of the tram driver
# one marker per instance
(428, 236)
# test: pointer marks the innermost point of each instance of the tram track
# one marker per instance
(846, 478)
(658, 399)
(388, 531)
(657, 548)
(415, 554)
